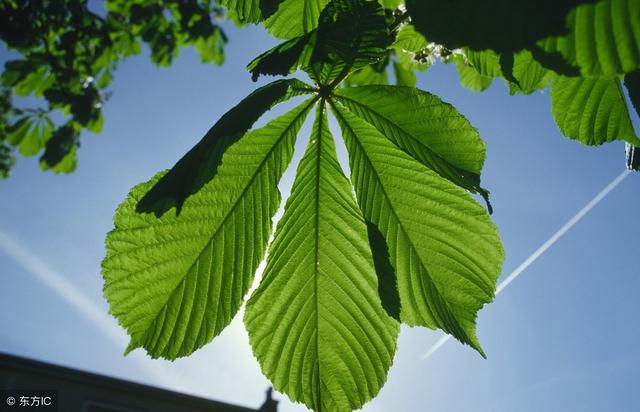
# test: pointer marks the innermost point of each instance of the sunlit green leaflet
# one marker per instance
(428, 225)
(315, 323)
(340, 274)
(175, 281)
(603, 38)
(591, 110)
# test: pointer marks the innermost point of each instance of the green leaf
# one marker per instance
(35, 82)
(66, 164)
(404, 76)
(531, 75)
(502, 26)
(176, 281)
(354, 32)
(294, 18)
(442, 244)
(478, 69)
(486, 62)
(391, 4)
(18, 130)
(16, 71)
(365, 76)
(409, 39)
(591, 110)
(351, 35)
(60, 150)
(35, 139)
(200, 164)
(425, 127)
(249, 11)
(7, 161)
(211, 48)
(316, 323)
(372, 74)
(95, 125)
(285, 58)
(603, 39)
(471, 78)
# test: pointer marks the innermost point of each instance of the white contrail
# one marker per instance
(546, 245)
(77, 299)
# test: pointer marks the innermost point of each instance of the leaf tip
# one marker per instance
(130, 347)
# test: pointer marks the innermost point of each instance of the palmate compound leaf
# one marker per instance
(200, 164)
(424, 126)
(445, 250)
(316, 323)
(591, 110)
(174, 282)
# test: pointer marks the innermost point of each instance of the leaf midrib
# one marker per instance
(316, 247)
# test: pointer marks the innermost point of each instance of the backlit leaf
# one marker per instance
(174, 282)
(423, 126)
(531, 75)
(603, 38)
(316, 323)
(591, 110)
(442, 244)
(294, 18)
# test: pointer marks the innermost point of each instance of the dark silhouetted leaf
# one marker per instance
(351, 34)
(285, 58)
(632, 83)
(500, 25)
(60, 150)
(200, 164)
(603, 38)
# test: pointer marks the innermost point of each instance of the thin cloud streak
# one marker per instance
(78, 300)
(543, 248)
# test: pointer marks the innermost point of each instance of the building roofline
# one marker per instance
(57, 371)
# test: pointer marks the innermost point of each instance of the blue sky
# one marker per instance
(562, 337)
